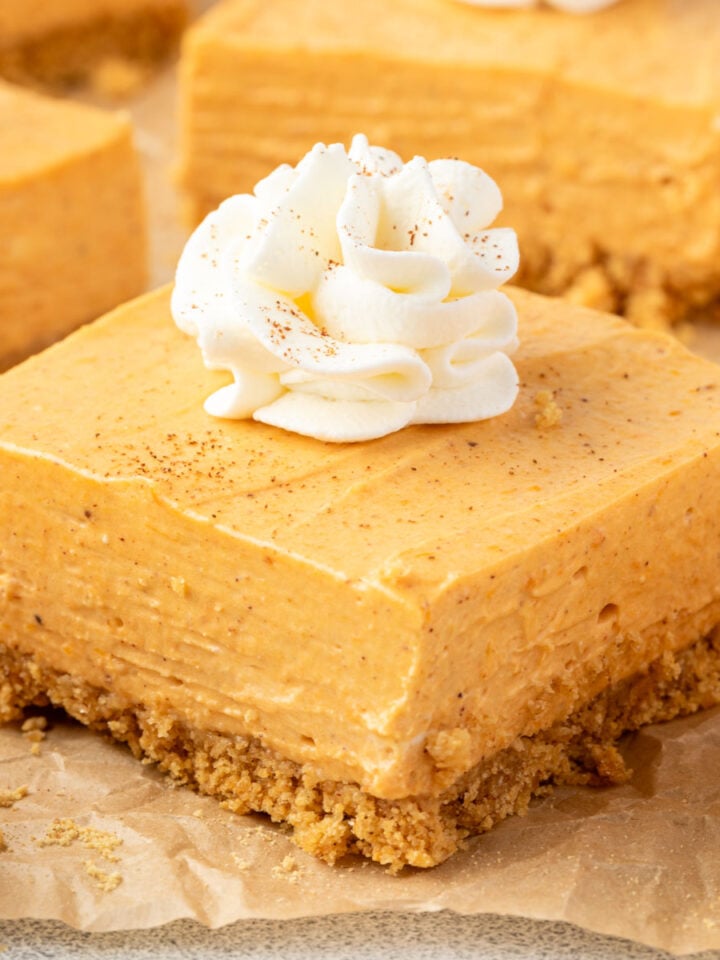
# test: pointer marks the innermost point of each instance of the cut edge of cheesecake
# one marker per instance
(332, 819)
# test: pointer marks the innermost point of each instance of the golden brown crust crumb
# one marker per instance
(34, 731)
(34, 725)
(592, 288)
(548, 412)
(10, 797)
(107, 882)
(63, 832)
(288, 869)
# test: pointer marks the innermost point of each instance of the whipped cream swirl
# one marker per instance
(569, 6)
(352, 295)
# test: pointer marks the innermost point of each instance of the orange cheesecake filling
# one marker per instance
(391, 612)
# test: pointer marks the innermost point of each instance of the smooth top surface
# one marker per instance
(661, 49)
(633, 405)
(40, 133)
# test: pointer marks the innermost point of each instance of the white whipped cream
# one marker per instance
(353, 295)
(569, 6)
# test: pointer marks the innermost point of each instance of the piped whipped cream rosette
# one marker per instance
(352, 295)
(568, 6)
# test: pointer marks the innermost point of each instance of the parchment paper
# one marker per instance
(640, 861)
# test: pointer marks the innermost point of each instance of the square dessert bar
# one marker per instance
(607, 147)
(72, 218)
(390, 645)
(63, 43)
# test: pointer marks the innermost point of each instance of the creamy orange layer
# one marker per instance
(72, 218)
(390, 611)
(602, 130)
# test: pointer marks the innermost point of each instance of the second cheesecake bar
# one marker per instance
(602, 129)
(72, 218)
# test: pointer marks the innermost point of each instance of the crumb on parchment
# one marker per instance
(34, 725)
(106, 881)
(288, 869)
(10, 797)
(33, 730)
(64, 832)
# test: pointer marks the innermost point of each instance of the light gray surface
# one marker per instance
(378, 936)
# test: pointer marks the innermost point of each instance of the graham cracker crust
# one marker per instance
(331, 819)
(70, 56)
(635, 289)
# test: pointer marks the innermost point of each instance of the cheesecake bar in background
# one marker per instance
(602, 129)
(62, 44)
(72, 218)
(388, 645)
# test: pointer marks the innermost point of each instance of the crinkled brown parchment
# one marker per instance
(640, 861)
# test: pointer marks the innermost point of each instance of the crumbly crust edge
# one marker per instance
(330, 819)
(66, 57)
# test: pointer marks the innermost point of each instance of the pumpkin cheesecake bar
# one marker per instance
(65, 43)
(389, 645)
(607, 149)
(72, 218)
